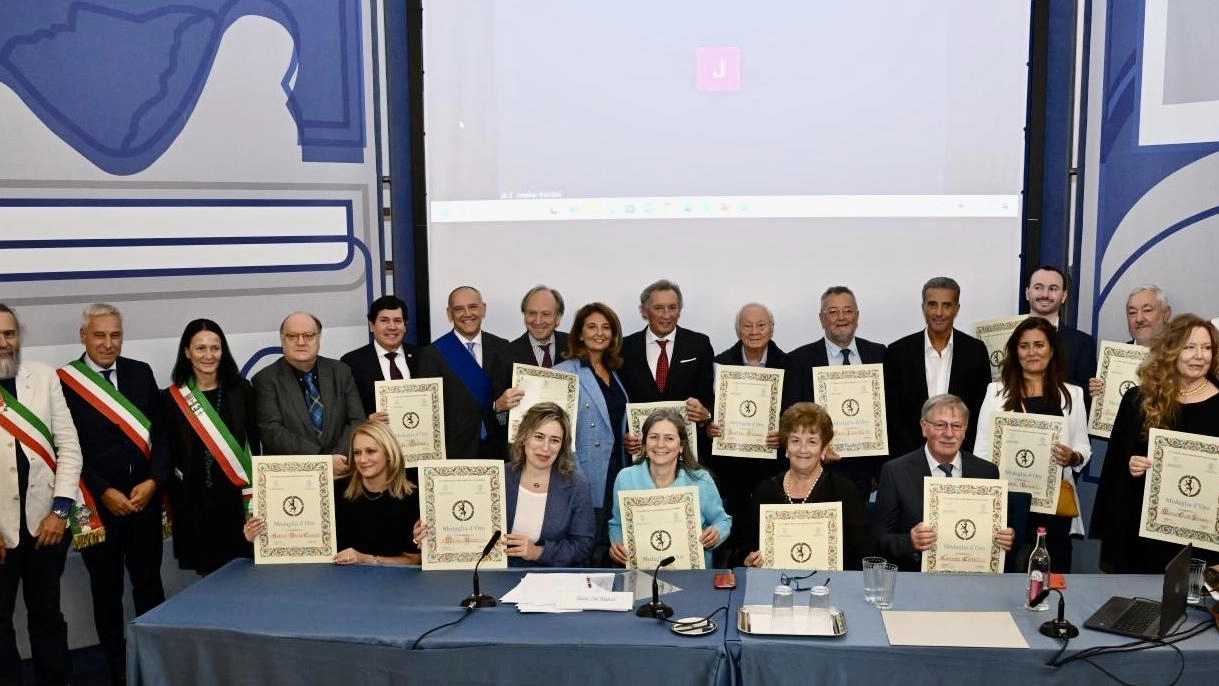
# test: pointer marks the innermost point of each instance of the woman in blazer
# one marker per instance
(594, 353)
(550, 514)
(1031, 380)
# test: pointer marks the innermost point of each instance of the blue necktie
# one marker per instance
(946, 468)
(106, 375)
(846, 356)
(313, 400)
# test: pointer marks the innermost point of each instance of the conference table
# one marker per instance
(325, 624)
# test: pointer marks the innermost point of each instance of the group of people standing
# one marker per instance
(98, 448)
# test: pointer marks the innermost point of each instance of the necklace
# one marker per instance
(1193, 390)
(787, 487)
(367, 494)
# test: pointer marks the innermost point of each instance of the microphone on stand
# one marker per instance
(1060, 627)
(656, 609)
(478, 598)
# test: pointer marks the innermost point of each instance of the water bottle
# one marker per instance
(1039, 573)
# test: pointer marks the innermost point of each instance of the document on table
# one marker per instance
(953, 629)
(561, 592)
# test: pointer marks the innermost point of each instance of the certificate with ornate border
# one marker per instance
(966, 514)
(1020, 446)
(416, 416)
(1181, 490)
(1117, 367)
(544, 385)
(994, 334)
(854, 397)
(805, 536)
(463, 503)
(637, 413)
(659, 522)
(747, 409)
(294, 494)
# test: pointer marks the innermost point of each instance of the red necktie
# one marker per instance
(394, 372)
(547, 360)
(662, 367)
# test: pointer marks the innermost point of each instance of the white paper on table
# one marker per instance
(953, 629)
(535, 592)
(596, 599)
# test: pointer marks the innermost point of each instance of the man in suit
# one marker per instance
(122, 473)
(387, 357)
(737, 476)
(464, 358)
(1147, 313)
(541, 345)
(306, 404)
(40, 467)
(937, 360)
(839, 317)
(901, 534)
(667, 362)
(1047, 294)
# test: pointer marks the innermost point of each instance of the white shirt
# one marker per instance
(537, 348)
(114, 370)
(478, 345)
(400, 361)
(530, 510)
(934, 465)
(937, 365)
(833, 353)
(653, 349)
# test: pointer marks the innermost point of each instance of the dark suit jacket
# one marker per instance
(798, 381)
(521, 350)
(111, 460)
(1080, 350)
(691, 370)
(568, 526)
(283, 418)
(906, 386)
(899, 502)
(462, 415)
(365, 367)
(775, 357)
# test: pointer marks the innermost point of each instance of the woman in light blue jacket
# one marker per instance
(594, 352)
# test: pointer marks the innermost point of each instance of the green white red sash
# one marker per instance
(233, 457)
(113, 405)
(34, 436)
(106, 399)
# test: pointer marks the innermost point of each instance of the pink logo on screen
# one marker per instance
(719, 69)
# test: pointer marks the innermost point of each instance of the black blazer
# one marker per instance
(691, 370)
(798, 381)
(899, 502)
(366, 369)
(775, 357)
(1080, 350)
(111, 460)
(462, 415)
(521, 350)
(906, 386)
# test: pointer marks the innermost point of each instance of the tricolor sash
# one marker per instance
(34, 436)
(107, 399)
(466, 367)
(233, 457)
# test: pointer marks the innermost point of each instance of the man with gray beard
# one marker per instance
(40, 466)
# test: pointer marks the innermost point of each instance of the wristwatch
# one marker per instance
(60, 512)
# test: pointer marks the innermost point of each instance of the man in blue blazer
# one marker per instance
(839, 317)
(901, 535)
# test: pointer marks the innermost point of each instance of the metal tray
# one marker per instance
(757, 620)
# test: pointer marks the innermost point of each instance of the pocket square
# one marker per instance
(692, 359)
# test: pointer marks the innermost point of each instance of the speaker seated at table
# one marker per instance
(376, 507)
(550, 508)
(806, 430)
(667, 462)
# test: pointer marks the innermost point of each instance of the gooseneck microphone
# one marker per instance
(478, 598)
(1060, 627)
(656, 609)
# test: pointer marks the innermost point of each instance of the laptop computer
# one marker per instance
(1147, 618)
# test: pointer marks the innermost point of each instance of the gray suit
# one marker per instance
(283, 419)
